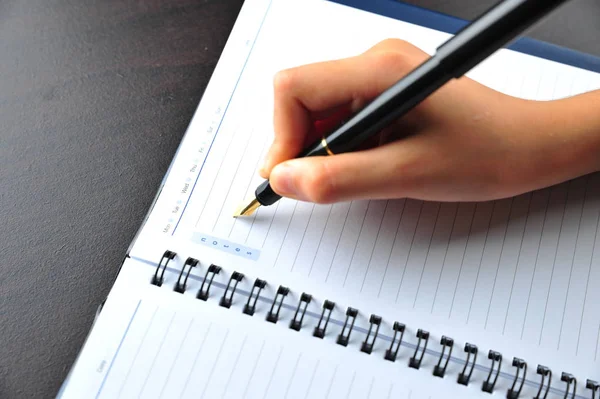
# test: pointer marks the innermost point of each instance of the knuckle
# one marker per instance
(397, 54)
(392, 44)
(392, 61)
(319, 184)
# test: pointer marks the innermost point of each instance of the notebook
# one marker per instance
(360, 299)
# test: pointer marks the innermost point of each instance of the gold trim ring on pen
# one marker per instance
(324, 144)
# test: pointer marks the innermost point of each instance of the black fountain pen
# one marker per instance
(474, 43)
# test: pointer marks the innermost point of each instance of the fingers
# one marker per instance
(383, 172)
(304, 93)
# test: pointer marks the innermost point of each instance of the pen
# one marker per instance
(474, 43)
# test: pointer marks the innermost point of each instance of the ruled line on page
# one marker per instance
(187, 331)
(571, 269)
(250, 189)
(289, 384)
(220, 169)
(512, 286)
(412, 241)
(137, 352)
(272, 219)
(439, 276)
(310, 218)
(362, 225)
(337, 245)
(287, 229)
(462, 261)
(487, 316)
(387, 265)
(237, 168)
(374, 245)
(480, 261)
(426, 255)
(187, 380)
(160, 345)
(212, 369)
(553, 268)
(236, 363)
(535, 264)
(272, 372)
(312, 378)
(312, 263)
(587, 287)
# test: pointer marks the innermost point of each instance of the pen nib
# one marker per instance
(248, 209)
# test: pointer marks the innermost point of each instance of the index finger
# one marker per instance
(303, 93)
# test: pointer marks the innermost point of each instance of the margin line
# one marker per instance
(118, 349)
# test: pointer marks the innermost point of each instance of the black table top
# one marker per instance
(94, 99)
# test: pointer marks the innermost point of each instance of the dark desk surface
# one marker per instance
(94, 99)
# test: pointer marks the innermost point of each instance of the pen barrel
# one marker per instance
(466, 49)
(389, 106)
(494, 29)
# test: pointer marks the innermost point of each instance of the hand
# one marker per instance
(466, 142)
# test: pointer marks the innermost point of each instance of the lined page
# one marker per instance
(515, 275)
(150, 343)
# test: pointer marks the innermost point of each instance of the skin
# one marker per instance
(466, 142)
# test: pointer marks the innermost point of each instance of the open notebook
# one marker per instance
(364, 299)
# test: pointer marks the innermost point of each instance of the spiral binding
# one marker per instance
(375, 321)
(179, 286)
(259, 285)
(496, 358)
(213, 270)
(392, 353)
(156, 279)
(594, 386)
(570, 380)
(296, 324)
(544, 372)
(439, 370)
(464, 377)
(344, 337)
(415, 362)
(319, 331)
(367, 347)
(520, 365)
(225, 301)
(281, 292)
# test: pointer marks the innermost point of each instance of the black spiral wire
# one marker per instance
(375, 321)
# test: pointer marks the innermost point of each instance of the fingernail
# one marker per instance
(284, 176)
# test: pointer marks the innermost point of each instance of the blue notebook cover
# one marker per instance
(449, 24)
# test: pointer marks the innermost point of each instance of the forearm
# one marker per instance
(576, 122)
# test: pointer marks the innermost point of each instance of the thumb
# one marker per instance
(369, 174)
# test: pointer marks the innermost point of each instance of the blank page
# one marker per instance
(513, 275)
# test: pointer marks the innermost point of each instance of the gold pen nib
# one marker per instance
(247, 210)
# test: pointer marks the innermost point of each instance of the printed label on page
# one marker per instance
(227, 246)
